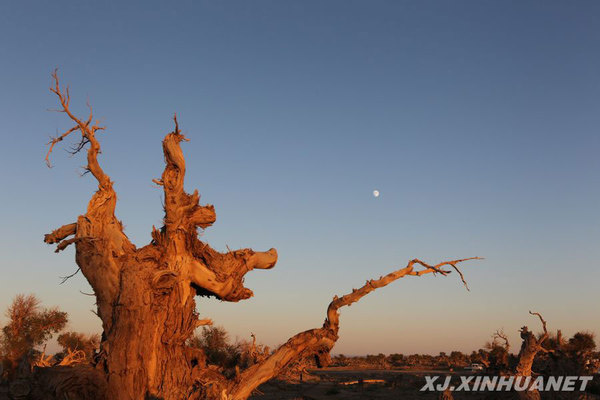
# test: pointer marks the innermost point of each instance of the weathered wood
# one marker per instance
(145, 296)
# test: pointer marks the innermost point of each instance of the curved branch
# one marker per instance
(332, 311)
(545, 335)
(319, 342)
(57, 139)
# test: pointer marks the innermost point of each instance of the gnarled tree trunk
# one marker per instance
(530, 347)
(145, 296)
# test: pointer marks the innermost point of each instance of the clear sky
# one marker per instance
(476, 120)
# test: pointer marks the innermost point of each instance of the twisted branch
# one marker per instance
(545, 335)
(319, 342)
(98, 235)
(85, 127)
(530, 347)
(211, 272)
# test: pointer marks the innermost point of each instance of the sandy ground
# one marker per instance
(328, 384)
(396, 385)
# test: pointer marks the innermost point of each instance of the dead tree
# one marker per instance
(145, 296)
(530, 347)
(499, 351)
(500, 335)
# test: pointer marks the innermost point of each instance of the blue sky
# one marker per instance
(476, 120)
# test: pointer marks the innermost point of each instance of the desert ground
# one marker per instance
(332, 383)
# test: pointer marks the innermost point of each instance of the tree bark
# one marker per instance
(145, 296)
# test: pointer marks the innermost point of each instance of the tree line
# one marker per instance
(30, 326)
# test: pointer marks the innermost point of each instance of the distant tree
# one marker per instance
(340, 360)
(555, 341)
(498, 351)
(481, 356)
(73, 341)
(443, 359)
(215, 343)
(415, 359)
(498, 358)
(378, 361)
(580, 349)
(554, 355)
(457, 358)
(29, 325)
(569, 357)
(251, 352)
(382, 360)
(396, 359)
(533, 348)
(582, 343)
(473, 356)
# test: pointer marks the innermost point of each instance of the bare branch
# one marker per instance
(204, 322)
(499, 334)
(462, 278)
(66, 278)
(79, 146)
(319, 342)
(65, 243)
(73, 357)
(55, 140)
(87, 133)
(541, 319)
(332, 315)
(61, 233)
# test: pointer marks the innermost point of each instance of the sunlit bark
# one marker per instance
(145, 296)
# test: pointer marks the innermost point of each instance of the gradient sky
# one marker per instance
(477, 121)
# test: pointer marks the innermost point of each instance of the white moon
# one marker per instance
(375, 193)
